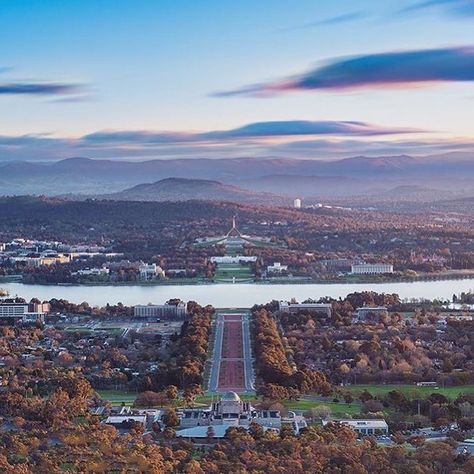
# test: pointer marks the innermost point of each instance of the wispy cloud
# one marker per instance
(383, 70)
(459, 8)
(349, 17)
(47, 148)
(270, 129)
(254, 139)
(39, 88)
(338, 19)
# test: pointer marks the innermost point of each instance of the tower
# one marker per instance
(234, 232)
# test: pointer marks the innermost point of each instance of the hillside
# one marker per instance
(183, 189)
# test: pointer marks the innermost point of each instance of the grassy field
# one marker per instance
(337, 409)
(117, 397)
(411, 390)
(226, 271)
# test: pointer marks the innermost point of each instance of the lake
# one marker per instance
(233, 295)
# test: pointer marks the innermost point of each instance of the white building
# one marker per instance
(371, 269)
(364, 427)
(229, 411)
(150, 272)
(234, 259)
(93, 272)
(277, 267)
(297, 203)
(24, 312)
(286, 307)
(177, 311)
(127, 415)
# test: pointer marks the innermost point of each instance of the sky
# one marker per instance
(146, 79)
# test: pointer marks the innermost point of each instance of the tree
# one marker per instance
(170, 418)
(256, 430)
(210, 434)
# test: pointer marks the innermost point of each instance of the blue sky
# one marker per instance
(72, 69)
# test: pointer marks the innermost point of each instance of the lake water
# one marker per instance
(232, 295)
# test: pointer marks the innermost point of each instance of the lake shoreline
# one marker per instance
(289, 281)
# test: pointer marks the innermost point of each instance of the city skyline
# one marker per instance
(143, 80)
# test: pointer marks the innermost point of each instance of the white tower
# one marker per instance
(297, 203)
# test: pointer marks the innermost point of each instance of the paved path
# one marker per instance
(232, 359)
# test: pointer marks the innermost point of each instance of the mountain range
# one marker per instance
(440, 175)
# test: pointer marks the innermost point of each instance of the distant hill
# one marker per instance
(308, 186)
(184, 189)
(358, 175)
(415, 193)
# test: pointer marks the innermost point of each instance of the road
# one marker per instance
(216, 355)
(249, 376)
(231, 367)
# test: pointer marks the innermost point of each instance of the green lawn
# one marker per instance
(339, 409)
(411, 390)
(117, 397)
(226, 271)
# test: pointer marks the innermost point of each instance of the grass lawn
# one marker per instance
(117, 397)
(228, 271)
(411, 390)
(339, 409)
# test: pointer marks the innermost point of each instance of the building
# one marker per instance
(371, 269)
(127, 417)
(170, 311)
(124, 421)
(364, 427)
(234, 239)
(13, 312)
(340, 264)
(150, 272)
(229, 411)
(277, 267)
(364, 311)
(93, 272)
(297, 203)
(237, 259)
(286, 307)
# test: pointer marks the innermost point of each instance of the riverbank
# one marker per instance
(347, 280)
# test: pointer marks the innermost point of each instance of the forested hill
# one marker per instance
(54, 218)
(183, 189)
